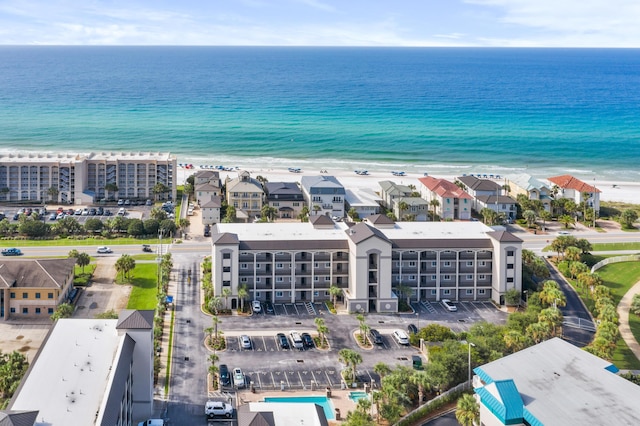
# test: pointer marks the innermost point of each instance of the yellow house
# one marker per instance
(33, 288)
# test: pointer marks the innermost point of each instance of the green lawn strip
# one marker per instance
(145, 257)
(620, 277)
(634, 324)
(616, 246)
(144, 291)
(623, 358)
(168, 372)
(79, 242)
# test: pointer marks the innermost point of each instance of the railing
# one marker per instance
(616, 259)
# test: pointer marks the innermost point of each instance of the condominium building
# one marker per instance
(33, 288)
(92, 372)
(370, 261)
(86, 178)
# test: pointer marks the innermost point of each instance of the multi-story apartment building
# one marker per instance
(208, 194)
(85, 179)
(370, 261)
(391, 191)
(32, 288)
(245, 194)
(324, 195)
(285, 197)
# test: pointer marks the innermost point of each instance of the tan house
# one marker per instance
(245, 194)
(532, 188)
(33, 288)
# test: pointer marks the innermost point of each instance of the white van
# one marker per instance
(296, 340)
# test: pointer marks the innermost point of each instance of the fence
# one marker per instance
(616, 259)
(437, 402)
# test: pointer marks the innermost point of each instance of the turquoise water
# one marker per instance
(322, 401)
(440, 110)
(356, 395)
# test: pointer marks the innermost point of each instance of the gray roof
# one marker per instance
(214, 202)
(379, 219)
(130, 319)
(565, 385)
(362, 231)
(225, 238)
(442, 243)
(294, 245)
(283, 191)
(393, 188)
(504, 237)
(246, 417)
(207, 187)
(476, 184)
(527, 182)
(324, 184)
(18, 418)
(320, 219)
(207, 174)
(492, 199)
(36, 273)
(412, 201)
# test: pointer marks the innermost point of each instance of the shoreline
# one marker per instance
(612, 191)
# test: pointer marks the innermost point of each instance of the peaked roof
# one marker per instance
(379, 219)
(36, 273)
(570, 182)
(282, 188)
(320, 219)
(225, 238)
(214, 202)
(443, 188)
(362, 231)
(393, 188)
(323, 181)
(503, 400)
(18, 418)
(527, 182)
(135, 320)
(492, 199)
(477, 184)
(504, 237)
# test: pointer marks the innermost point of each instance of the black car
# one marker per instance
(225, 377)
(146, 248)
(375, 336)
(282, 340)
(307, 340)
(268, 307)
(100, 211)
(412, 329)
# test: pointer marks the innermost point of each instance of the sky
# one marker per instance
(478, 23)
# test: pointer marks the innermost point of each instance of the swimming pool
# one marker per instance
(356, 395)
(322, 401)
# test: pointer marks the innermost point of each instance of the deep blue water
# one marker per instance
(431, 109)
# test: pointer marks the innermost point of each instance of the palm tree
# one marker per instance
(226, 292)
(488, 216)
(183, 224)
(316, 209)
(304, 214)
(125, 264)
(110, 187)
(159, 188)
(467, 410)
(243, 293)
(435, 204)
(335, 292)
(422, 379)
(381, 369)
(215, 321)
(530, 217)
(83, 259)
(209, 332)
(566, 220)
(53, 193)
(351, 359)
(321, 328)
(402, 207)
(572, 254)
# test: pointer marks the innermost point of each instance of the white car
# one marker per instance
(245, 341)
(103, 250)
(448, 305)
(564, 233)
(238, 378)
(256, 307)
(296, 340)
(401, 337)
(218, 408)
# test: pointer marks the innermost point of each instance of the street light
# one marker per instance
(418, 316)
(470, 344)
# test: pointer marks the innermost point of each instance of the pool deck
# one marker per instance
(339, 398)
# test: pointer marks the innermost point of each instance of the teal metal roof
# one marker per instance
(509, 406)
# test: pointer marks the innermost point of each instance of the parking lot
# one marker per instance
(80, 213)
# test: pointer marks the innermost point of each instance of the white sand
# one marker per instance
(628, 192)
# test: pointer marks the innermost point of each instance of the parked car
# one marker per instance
(92, 211)
(148, 203)
(78, 212)
(268, 307)
(100, 211)
(245, 341)
(401, 337)
(282, 341)
(448, 305)
(412, 329)
(238, 378)
(121, 202)
(152, 422)
(225, 377)
(307, 340)
(375, 336)
(255, 306)
(85, 211)
(53, 216)
(296, 340)
(217, 409)
(11, 252)
(104, 250)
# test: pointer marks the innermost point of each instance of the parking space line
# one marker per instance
(328, 378)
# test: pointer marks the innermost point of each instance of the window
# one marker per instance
(447, 263)
(50, 295)
(226, 255)
(433, 277)
(25, 295)
(49, 310)
(327, 278)
(296, 204)
(244, 266)
(510, 253)
(275, 204)
(469, 291)
(226, 283)
(257, 279)
(13, 310)
(243, 280)
(446, 292)
(447, 277)
(327, 265)
(510, 279)
(483, 263)
(482, 277)
(469, 263)
(37, 295)
(481, 291)
(257, 295)
(279, 265)
(469, 277)
(316, 278)
(279, 279)
(412, 277)
(433, 263)
(37, 310)
(509, 265)
(13, 295)
(412, 263)
(316, 293)
(226, 269)
(316, 265)
(278, 294)
(433, 291)
(25, 310)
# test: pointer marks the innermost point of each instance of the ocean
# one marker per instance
(424, 110)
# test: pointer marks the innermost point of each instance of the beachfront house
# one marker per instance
(324, 195)
(210, 210)
(554, 383)
(449, 201)
(245, 194)
(293, 262)
(577, 190)
(501, 204)
(391, 191)
(285, 197)
(477, 187)
(33, 288)
(86, 179)
(363, 201)
(532, 188)
(411, 209)
(208, 195)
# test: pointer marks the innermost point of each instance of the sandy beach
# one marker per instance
(628, 192)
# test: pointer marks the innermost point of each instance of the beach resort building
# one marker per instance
(363, 201)
(324, 195)
(577, 190)
(451, 202)
(245, 194)
(285, 197)
(299, 262)
(92, 372)
(532, 188)
(33, 288)
(554, 383)
(86, 179)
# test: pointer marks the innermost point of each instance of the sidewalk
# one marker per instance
(623, 314)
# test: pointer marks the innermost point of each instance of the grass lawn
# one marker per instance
(152, 257)
(616, 246)
(73, 242)
(144, 291)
